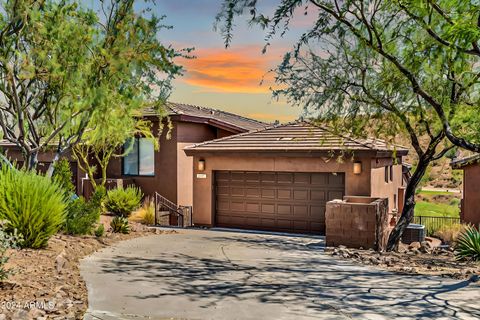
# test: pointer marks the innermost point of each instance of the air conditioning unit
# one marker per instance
(414, 233)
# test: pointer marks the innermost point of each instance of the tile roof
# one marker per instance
(231, 119)
(295, 136)
(462, 162)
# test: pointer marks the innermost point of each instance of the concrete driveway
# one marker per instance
(199, 274)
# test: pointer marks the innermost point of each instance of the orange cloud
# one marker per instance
(238, 70)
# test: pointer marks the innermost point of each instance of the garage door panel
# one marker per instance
(284, 194)
(300, 195)
(279, 201)
(268, 193)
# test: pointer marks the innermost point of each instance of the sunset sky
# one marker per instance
(227, 79)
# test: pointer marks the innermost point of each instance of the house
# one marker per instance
(470, 205)
(169, 171)
(281, 177)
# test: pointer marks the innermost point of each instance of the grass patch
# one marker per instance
(436, 193)
(423, 208)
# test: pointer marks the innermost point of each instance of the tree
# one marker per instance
(387, 65)
(61, 65)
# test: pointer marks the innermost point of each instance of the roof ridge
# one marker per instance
(218, 110)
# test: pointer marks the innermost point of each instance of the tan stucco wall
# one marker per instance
(471, 194)
(203, 201)
(382, 189)
(173, 169)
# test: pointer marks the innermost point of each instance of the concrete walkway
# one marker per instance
(198, 274)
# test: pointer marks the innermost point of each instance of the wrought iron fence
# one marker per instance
(432, 224)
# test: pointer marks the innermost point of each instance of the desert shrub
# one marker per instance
(100, 230)
(146, 213)
(123, 201)
(81, 217)
(449, 233)
(120, 225)
(7, 241)
(98, 197)
(468, 245)
(33, 205)
(62, 174)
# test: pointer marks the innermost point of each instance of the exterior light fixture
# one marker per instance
(357, 167)
(201, 165)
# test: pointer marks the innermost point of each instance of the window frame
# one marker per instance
(137, 140)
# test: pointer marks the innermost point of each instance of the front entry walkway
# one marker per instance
(199, 274)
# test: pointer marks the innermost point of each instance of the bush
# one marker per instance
(449, 233)
(120, 225)
(468, 245)
(7, 241)
(100, 230)
(98, 197)
(81, 217)
(62, 174)
(33, 205)
(123, 201)
(146, 213)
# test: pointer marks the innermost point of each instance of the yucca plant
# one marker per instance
(34, 205)
(123, 201)
(468, 245)
(120, 225)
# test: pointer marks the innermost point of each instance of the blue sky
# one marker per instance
(227, 79)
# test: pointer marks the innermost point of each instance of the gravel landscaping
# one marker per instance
(47, 282)
(416, 258)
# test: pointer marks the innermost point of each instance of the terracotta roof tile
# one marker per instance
(295, 136)
(210, 113)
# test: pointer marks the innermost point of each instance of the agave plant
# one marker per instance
(468, 245)
(120, 225)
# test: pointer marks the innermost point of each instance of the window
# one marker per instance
(140, 161)
(386, 174)
(391, 173)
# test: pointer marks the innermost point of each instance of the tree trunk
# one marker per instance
(55, 159)
(409, 205)
(32, 160)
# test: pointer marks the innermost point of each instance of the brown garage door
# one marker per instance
(278, 201)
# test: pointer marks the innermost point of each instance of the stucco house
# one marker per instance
(242, 173)
(470, 205)
(280, 178)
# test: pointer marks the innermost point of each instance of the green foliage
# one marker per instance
(81, 217)
(7, 241)
(62, 174)
(468, 245)
(33, 205)
(120, 225)
(100, 230)
(98, 197)
(123, 201)
(74, 67)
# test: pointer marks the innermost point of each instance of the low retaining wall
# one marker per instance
(357, 222)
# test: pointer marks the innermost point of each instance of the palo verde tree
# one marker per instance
(382, 67)
(62, 65)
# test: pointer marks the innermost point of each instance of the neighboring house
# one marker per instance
(280, 178)
(470, 207)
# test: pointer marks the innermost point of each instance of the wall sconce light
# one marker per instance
(201, 165)
(357, 167)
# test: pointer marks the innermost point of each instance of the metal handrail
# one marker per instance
(161, 200)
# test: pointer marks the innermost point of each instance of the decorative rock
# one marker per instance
(414, 245)
(20, 314)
